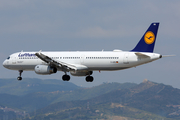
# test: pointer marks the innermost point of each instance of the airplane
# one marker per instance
(83, 63)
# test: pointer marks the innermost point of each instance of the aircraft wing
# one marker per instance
(60, 64)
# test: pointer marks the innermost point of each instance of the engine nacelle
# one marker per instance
(81, 73)
(45, 69)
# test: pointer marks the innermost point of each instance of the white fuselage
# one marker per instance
(96, 60)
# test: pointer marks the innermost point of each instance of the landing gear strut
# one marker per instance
(66, 77)
(89, 79)
(20, 72)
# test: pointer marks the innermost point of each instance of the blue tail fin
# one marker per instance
(147, 42)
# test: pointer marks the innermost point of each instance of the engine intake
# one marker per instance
(45, 69)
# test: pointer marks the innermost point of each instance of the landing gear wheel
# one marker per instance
(66, 77)
(89, 79)
(19, 78)
(20, 72)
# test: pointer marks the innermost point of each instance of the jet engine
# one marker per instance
(45, 69)
(81, 73)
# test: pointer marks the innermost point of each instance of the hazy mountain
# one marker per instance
(36, 93)
(32, 85)
(147, 100)
(55, 99)
(87, 93)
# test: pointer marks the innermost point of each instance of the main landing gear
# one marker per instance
(20, 72)
(89, 78)
(66, 77)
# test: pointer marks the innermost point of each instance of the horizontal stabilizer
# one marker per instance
(142, 55)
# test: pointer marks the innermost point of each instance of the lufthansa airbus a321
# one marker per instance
(85, 62)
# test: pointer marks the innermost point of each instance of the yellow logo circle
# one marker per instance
(149, 37)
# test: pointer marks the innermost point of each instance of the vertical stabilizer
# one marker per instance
(147, 42)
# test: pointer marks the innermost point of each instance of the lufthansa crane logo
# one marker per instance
(149, 37)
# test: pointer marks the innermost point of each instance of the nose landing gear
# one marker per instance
(20, 72)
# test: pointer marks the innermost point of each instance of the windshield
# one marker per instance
(8, 58)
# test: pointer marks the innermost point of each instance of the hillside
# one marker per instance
(87, 93)
(34, 94)
(54, 99)
(114, 111)
(32, 85)
(147, 100)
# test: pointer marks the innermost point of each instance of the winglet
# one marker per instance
(147, 42)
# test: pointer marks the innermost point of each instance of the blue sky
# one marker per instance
(88, 25)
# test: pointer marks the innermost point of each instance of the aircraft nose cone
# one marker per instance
(5, 64)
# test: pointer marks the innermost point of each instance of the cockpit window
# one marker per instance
(8, 58)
